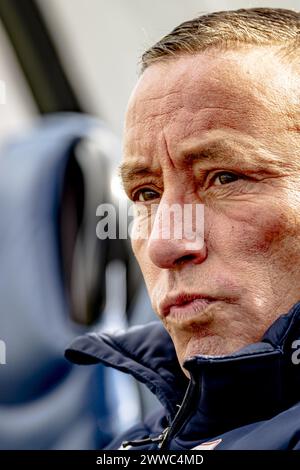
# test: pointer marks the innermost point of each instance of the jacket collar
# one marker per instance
(145, 352)
(252, 384)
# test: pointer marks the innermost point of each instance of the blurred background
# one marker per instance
(67, 68)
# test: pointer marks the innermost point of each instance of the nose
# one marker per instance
(176, 239)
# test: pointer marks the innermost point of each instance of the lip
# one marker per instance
(185, 305)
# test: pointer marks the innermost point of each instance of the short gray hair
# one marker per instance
(229, 30)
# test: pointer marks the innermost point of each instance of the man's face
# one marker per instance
(222, 130)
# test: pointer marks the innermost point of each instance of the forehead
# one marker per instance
(246, 91)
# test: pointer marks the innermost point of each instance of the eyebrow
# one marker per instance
(219, 149)
(130, 171)
(135, 169)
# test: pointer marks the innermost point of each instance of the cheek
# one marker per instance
(149, 270)
(141, 230)
(253, 232)
(138, 248)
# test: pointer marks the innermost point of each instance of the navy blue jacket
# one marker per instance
(246, 400)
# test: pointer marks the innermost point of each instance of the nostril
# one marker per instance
(184, 259)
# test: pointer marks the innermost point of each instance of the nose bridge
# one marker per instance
(177, 233)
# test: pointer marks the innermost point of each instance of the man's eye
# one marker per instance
(225, 177)
(145, 195)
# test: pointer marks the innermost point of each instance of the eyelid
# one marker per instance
(217, 173)
(140, 183)
(134, 194)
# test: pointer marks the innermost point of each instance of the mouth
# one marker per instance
(185, 306)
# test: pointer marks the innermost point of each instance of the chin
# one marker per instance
(210, 345)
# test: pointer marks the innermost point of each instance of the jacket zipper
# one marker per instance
(182, 416)
(147, 440)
